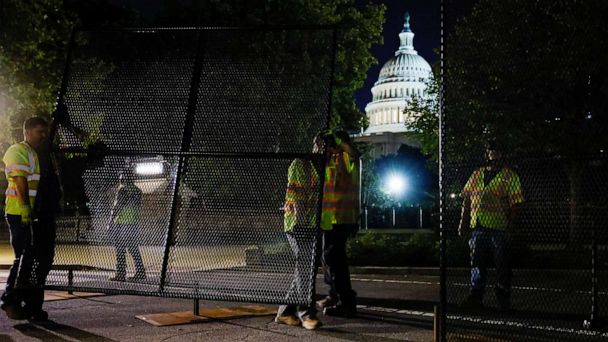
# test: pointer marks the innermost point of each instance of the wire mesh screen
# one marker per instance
(258, 86)
(238, 218)
(524, 171)
(175, 148)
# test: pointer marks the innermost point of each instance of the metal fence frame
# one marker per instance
(593, 327)
(60, 115)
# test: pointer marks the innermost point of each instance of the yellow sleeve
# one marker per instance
(295, 180)
(515, 192)
(470, 186)
(16, 162)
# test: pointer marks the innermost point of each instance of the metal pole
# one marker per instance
(195, 309)
(419, 216)
(594, 321)
(366, 218)
(361, 184)
(316, 247)
(393, 216)
(186, 141)
(442, 237)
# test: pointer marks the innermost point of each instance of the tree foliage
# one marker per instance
(358, 28)
(32, 56)
(425, 111)
(33, 53)
(530, 74)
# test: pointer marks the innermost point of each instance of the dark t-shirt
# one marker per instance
(49, 193)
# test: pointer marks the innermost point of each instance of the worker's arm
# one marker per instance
(465, 216)
(512, 214)
(516, 198)
(354, 153)
(118, 199)
(23, 197)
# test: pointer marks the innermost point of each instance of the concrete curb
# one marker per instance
(428, 271)
(425, 271)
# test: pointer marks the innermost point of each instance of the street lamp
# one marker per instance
(396, 185)
(150, 175)
(149, 168)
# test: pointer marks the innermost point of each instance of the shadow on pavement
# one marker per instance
(4, 338)
(53, 331)
(350, 335)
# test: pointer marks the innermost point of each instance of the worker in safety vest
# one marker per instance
(491, 199)
(300, 222)
(339, 220)
(123, 227)
(22, 169)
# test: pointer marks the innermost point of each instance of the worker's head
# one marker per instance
(323, 141)
(35, 131)
(126, 176)
(343, 136)
(493, 151)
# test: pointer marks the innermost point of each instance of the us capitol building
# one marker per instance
(402, 76)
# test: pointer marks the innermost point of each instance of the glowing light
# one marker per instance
(149, 168)
(396, 184)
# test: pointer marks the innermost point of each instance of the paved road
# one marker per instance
(392, 308)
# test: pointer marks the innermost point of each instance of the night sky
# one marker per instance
(424, 22)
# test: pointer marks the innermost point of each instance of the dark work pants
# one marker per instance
(34, 248)
(335, 264)
(36, 262)
(487, 244)
(20, 237)
(126, 238)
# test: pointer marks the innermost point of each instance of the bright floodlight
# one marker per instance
(396, 184)
(149, 168)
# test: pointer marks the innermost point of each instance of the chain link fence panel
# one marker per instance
(174, 147)
(523, 166)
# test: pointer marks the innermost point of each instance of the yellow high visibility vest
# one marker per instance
(302, 194)
(490, 203)
(20, 160)
(340, 192)
(128, 203)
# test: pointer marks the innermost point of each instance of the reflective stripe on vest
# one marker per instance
(490, 203)
(301, 198)
(21, 161)
(340, 193)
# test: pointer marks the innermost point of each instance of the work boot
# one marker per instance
(137, 276)
(287, 319)
(472, 302)
(503, 297)
(340, 310)
(310, 323)
(117, 277)
(13, 311)
(36, 314)
(327, 302)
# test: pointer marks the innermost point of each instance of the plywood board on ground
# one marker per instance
(188, 317)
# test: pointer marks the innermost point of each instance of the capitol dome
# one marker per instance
(400, 78)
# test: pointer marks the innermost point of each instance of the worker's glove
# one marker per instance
(26, 214)
(337, 140)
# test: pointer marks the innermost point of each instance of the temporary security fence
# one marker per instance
(174, 147)
(523, 143)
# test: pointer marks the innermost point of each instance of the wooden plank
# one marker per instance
(50, 296)
(187, 317)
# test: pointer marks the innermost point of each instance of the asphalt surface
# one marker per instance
(391, 308)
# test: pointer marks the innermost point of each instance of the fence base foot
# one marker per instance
(597, 324)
